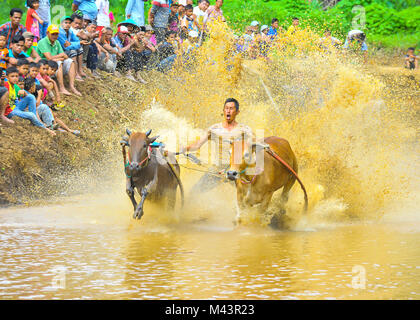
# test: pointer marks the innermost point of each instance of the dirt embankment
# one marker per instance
(35, 165)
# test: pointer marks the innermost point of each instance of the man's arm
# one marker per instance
(197, 145)
(151, 16)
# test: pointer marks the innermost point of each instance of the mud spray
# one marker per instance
(355, 141)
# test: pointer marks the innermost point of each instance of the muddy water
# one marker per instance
(89, 248)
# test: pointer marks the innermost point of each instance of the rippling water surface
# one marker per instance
(89, 249)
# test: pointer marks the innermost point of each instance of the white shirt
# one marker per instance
(201, 15)
(103, 13)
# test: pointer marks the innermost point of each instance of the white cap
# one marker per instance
(254, 23)
(264, 27)
(193, 34)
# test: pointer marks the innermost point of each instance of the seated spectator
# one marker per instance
(4, 52)
(87, 7)
(123, 43)
(71, 46)
(355, 40)
(49, 118)
(54, 94)
(158, 18)
(328, 42)
(411, 60)
(33, 72)
(13, 27)
(33, 20)
(49, 48)
(16, 51)
(23, 67)
(49, 86)
(150, 35)
(168, 51)
(27, 101)
(28, 48)
(255, 27)
(108, 52)
(294, 27)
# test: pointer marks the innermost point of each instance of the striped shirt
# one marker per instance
(7, 28)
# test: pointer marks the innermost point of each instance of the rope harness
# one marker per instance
(127, 162)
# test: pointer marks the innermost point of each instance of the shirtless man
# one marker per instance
(223, 134)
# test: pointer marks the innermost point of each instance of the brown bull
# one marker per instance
(154, 172)
(256, 184)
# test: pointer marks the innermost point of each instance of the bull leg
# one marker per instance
(129, 188)
(240, 206)
(138, 213)
(285, 194)
(150, 187)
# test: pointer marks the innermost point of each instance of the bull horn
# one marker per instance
(148, 132)
(128, 132)
(124, 143)
(152, 139)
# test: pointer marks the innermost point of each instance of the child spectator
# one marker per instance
(200, 12)
(411, 60)
(4, 52)
(23, 67)
(16, 50)
(4, 98)
(17, 108)
(44, 13)
(71, 46)
(215, 12)
(328, 42)
(54, 94)
(189, 23)
(49, 118)
(355, 40)
(28, 47)
(173, 22)
(272, 32)
(13, 27)
(32, 19)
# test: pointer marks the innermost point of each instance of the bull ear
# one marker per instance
(128, 132)
(153, 139)
(148, 132)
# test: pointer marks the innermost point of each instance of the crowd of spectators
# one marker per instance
(40, 62)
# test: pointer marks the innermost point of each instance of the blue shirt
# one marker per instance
(135, 8)
(88, 7)
(70, 37)
(22, 55)
(272, 32)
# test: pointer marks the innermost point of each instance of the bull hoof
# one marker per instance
(274, 223)
(138, 214)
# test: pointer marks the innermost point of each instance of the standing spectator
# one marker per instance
(215, 12)
(13, 27)
(29, 48)
(200, 12)
(102, 19)
(411, 60)
(88, 8)
(135, 11)
(49, 48)
(173, 22)
(44, 13)
(32, 19)
(158, 18)
(71, 46)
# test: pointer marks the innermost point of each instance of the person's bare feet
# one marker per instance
(6, 120)
(65, 92)
(76, 92)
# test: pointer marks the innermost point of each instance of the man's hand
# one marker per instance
(66, 44)
(22, 93)
(128, 16)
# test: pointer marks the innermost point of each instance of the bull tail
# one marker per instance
(276, 156)
(178, 179)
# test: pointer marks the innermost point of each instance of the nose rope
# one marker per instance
(128, 162)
